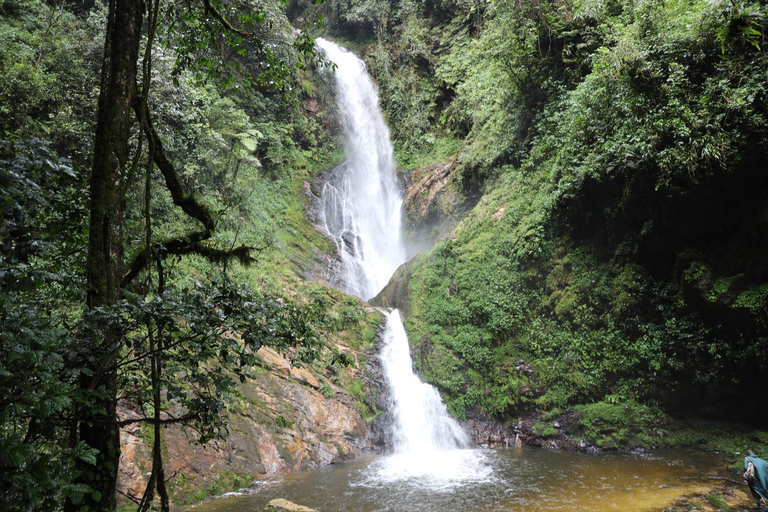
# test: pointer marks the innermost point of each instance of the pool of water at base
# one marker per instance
(521, 480)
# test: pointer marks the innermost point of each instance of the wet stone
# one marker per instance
(281, 505)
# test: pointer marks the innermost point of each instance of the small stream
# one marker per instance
(520, 480)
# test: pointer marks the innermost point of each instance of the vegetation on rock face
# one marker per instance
(617, 255)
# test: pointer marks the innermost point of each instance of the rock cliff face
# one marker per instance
(286, 419)
(379, 433)
(330, 272)
(433, 205)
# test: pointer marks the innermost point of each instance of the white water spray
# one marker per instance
(362, 211)
(422, 423)
(362, 206)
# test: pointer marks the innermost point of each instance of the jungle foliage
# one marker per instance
(183, 331)
(618, 252)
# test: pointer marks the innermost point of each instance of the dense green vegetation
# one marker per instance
(241, 145)
(617, 256)
(613, 268)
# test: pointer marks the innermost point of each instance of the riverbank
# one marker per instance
(603, 426)
(585, 430)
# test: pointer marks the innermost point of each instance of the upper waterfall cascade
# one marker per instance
(362, 206)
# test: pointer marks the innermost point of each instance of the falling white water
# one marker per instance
(422, 423)
(362, 210)
(362, 206)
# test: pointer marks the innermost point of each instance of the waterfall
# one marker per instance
(363, 204)
(362, 207)
(422, 423)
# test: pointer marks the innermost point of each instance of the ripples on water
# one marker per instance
(527, 479)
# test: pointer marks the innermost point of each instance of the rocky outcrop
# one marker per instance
(485, 432)
(434, 204)
(287, 419)
(396, 293)
(330, 271)
(324, 263)
(378, 393)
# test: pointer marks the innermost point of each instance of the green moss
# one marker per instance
(545, 429)
(222, 483)
(369, 412)
(355, 388)
(286, 455)
(326, 390)
(619, 425)
(717, 501)
(432, 149)
(283, 422)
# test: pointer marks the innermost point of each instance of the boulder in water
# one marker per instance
(281, 505)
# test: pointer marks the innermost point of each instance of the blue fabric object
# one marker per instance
(760, 486)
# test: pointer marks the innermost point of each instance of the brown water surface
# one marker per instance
(521, 480)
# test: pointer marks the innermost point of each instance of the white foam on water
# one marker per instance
(439, 471)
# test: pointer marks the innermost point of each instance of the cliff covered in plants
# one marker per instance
(615, 259)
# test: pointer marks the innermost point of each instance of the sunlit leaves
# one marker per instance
(743, 26)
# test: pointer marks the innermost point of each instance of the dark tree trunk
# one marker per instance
(98, 427)
(110, 155)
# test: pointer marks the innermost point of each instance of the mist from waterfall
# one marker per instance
(362, 206)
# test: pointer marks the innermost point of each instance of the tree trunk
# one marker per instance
(110, 155)
(98, 427)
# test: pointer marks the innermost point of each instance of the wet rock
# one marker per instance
(379, 433)
(311, 106)
(281, 423)
(396, 293)
(281, 505)
(330, 270)
(434, 203)
(352, 242)
(487, 433)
